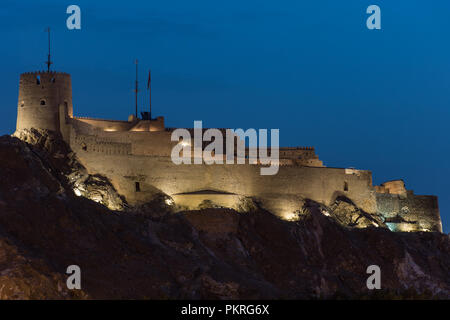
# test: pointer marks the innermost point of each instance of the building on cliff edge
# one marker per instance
(135, 156)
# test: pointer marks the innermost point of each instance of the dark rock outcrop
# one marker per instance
(209, 253)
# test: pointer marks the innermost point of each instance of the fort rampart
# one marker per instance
(135, 156)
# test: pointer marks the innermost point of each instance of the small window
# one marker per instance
(137, 186)
(38, 80)
(42, 102)
(345, 186)
(53, 80)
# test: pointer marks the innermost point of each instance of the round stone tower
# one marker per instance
(41, 94)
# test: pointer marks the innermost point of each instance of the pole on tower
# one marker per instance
(49, 62)
(136, 90)
(149, 87)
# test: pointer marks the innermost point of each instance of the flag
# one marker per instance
(149, 79)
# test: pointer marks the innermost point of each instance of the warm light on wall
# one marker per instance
(97, 198)
(169, 202)
(290, 216)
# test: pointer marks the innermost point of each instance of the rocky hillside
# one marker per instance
(54, 214)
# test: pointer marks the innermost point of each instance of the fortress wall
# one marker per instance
(105, 125)
(158, 143)
(297, 152)
(150, 125)
(122, 157)
(423, 210)
(309, 162)
(37, 117)
(136, 159)
(305, 156)
(64, 123)
(281, 193)
(94, 126)
(151, 143)
(157, 124)
(142, 142)
(193, 201)
(88, 143)
(392, 187)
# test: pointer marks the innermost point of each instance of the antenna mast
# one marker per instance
(136, 90)
(149, 87)
(49, 62)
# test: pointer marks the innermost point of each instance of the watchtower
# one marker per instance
(41, 96)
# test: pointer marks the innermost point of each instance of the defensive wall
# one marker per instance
(406, 211)
(147, 170)
(282, 193)
(135, 156)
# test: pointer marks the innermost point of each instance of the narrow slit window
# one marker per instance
(345, 186)
(137, 186)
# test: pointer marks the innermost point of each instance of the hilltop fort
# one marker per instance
(135, 155)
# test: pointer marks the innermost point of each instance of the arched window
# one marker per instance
(38, 80)
(42, 102)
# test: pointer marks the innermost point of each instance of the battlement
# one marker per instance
(97, 119)
(56, 79)
(36, 73)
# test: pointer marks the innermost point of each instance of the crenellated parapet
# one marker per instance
(45, 72)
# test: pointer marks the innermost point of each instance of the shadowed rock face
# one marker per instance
(56, 157)
(149, 252)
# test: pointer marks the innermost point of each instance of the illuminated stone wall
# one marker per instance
(128, 158)
(392, 187)
(91, 125)
(281, 193)
(410, 212)
(135, 156)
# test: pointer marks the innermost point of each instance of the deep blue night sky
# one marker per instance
(376, 100)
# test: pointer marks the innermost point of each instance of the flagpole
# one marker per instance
(49, 62)
(149, 86)
(136, 90)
